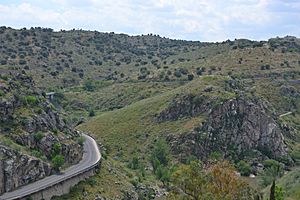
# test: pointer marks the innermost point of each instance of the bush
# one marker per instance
(3, 62)
(38, 136)
(199, 72)
(91, 181)
(219, 182)
(36, 153)
(279, 193)
(91, 113)
(183, 71)
(160, 160)
(296, 155)
(58, 161)
(190, 77)
(134, 163)
(22, 62)
(161, 153)
(163, 173)
(56, 148)
(273, 170)
(31, 100)
(89, 86)
(177, 74)
(215, 155)
(273, 164)
(244, 168)
(81, 140)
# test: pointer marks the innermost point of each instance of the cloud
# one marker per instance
(190, 19)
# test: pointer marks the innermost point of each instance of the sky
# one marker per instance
(200, 20)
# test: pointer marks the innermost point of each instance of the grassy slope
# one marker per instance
(290, 184)
(132, 131)
(112, 95)
(134, 121)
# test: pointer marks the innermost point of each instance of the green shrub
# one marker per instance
(89, 85)
(160, 153)
(134, 163)
(31, 100)
(36, 153)
(91, 181)
(39, 135)
(273, 164)
(3, 62)
(81, 140)
(135, 181)
(190, 159)
(296, 155)
(279, 193)
(4, 77)
(160, 160)
(56, 148)
(177, 74)
(190, 77)
(55, 131)
(273, 170)
(244, 168)
(91, 113)
(163, 173)
(215, 155)
(22, 62)
(58, 161)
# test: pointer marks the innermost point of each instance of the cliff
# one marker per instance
(235, 128)
(32, 133)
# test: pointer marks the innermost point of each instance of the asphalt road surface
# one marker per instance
(91, 157)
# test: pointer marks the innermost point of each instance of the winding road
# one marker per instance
(90, 159)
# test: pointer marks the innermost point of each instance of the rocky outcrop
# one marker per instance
(47, 120)
(236, 127)
(7, 108)
(188, 105)
(11, 102)
(70, 149)
(17, 169)
(28, 119)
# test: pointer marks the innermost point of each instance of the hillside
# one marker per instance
(236, 100)
(155, 118)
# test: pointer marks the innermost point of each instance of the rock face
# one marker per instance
(236, 127)
(8, 105)
(17, 169)
(47, 120)
(6, 109)
(29, 120)
(71, 150)
(184, 106)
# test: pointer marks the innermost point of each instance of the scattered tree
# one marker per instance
(216, 182)
(58, 161)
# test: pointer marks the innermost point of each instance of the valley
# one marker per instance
(157, 107)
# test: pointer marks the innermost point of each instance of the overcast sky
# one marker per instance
(204, 20)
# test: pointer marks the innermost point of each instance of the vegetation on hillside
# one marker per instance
(121, 89)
